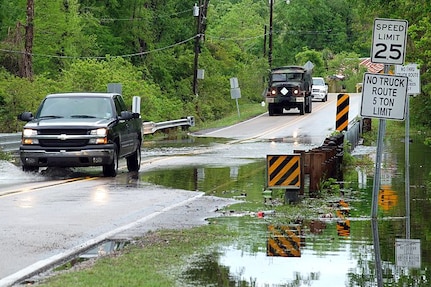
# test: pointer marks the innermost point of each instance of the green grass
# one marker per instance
(247, 111)
(150, 261)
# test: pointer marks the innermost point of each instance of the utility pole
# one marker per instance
(271, 9)
(197, 12)
(27, 71)
(200, 12)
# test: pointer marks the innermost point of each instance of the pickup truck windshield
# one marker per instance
(318, 82)
(77, 107)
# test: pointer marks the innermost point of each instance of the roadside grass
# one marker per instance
(149, 261)
(247, 111)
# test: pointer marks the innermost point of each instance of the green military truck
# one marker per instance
(289, 87)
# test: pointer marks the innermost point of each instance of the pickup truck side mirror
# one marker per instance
(125, 115)
(26, 116)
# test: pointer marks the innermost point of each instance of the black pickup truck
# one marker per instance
(79, 130)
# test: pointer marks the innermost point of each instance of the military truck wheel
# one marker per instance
(271, 109)
(308, 106)
(301, 109)
(110, 170)
(279, 111)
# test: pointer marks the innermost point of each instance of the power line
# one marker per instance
(141, 19)
(172, 45)
(102, 57)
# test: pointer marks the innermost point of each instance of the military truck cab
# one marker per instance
(289, 87)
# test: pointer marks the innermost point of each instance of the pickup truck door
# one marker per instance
(125, 130)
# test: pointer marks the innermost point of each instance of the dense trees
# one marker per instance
(148, 46)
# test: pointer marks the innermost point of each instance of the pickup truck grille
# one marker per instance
(63, 143)
(63, 131)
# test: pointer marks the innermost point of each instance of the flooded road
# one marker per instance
(275, 248)
(333, 249)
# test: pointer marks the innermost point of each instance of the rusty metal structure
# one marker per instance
(322, 163)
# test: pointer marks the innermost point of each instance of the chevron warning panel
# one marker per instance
(284, 171)
(342, 118)
(284, 241)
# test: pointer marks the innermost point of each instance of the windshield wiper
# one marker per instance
(82, 116)
(50, 117)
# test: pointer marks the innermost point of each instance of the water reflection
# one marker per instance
(336, 250)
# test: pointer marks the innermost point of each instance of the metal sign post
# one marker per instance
(414, 87)
(384, 98)
(235, 92)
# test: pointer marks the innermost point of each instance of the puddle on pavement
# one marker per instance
(176, 146)
(224, 181)
(333, 250)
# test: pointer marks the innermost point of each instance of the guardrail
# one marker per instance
(152, 127)
(354, 133)
(9, 142)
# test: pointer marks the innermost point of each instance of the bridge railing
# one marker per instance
(354, 133)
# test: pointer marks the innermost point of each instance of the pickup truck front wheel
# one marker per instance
(134, 161)
(110, 170)
(27, 168)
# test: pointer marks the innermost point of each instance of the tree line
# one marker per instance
(151, 47)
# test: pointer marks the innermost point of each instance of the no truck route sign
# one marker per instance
(389, 41)
(384, 96)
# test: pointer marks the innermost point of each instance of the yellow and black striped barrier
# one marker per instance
(342, 118)
(284, 171)
(284, 241)
(388, 198)
(343, 225)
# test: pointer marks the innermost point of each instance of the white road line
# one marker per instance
(52, 261)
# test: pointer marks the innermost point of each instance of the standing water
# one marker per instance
(334, 249)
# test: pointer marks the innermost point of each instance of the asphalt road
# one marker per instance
(48, 218)
(310, 128)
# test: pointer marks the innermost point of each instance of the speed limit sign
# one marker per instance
(389, 41)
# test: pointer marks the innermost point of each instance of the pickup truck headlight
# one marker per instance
(27, 136)
(101, 136)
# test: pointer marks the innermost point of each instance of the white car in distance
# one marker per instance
(319, 90)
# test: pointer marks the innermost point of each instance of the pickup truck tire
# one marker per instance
(27, 168)
(134, 161)
(110, 170)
